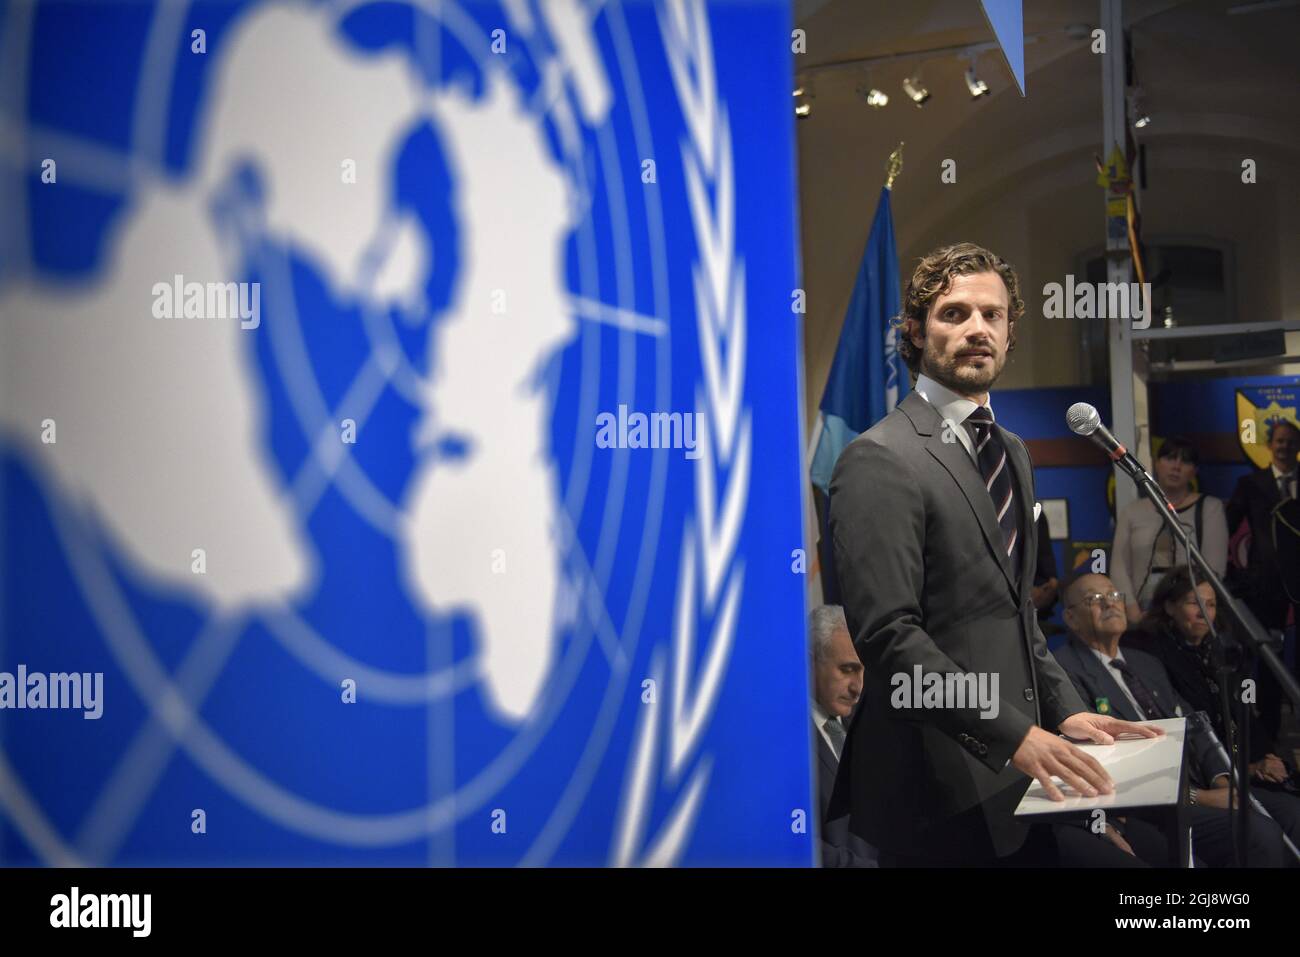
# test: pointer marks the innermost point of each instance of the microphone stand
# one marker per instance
(1252, 634)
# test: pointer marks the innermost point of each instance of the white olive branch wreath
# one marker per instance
(709, 541)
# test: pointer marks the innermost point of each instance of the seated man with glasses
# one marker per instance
(1133, 685)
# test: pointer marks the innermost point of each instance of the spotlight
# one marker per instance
(1136, 100)
(802, 102)
(976, 86)
(915, 91)
(874, 97)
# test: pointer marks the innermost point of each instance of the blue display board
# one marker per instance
(400, 412)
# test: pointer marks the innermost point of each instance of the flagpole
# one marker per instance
(866, 378)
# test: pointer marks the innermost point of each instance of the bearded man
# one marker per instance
(932, 520)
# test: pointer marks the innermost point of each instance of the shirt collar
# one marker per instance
(1277, 473)
(820, 715)
(950, 406)
(1106, 659)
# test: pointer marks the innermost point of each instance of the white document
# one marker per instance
(1145, 771)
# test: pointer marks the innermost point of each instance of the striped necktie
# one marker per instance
(992, 457)
(1142, 694)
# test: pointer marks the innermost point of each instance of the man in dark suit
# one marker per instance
(837, 683)
(932, 522)
(1269, 581)
(1131, 684)
(1045, 593)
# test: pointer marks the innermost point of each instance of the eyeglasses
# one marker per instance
(1096, 598)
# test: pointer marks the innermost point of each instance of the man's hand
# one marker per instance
(1043, 754)
(1269, 768)
(1117, 839)
(1101, 729)
(1044, 595)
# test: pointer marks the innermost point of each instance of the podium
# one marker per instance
(1148, 773)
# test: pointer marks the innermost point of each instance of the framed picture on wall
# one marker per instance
(1057, 511)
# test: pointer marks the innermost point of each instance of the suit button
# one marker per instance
(1029, 694)
(984, 749)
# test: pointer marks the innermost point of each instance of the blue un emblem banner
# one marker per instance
(399, 435)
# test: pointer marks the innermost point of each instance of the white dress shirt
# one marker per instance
(952, 408)
(820, 717)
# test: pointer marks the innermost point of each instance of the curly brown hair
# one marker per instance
(933, 277)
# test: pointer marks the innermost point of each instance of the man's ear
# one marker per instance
(912, 329)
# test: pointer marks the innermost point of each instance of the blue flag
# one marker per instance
(1007, 18)
(868, 376)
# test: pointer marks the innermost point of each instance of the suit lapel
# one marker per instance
(1156, 684)
(824, 753)
(1268, 486)
(1101, 678)
(952, 455)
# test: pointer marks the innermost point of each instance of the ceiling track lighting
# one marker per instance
(875, 97)
(802, 102)
(917, 93)
(976, 86)
(1141, 118)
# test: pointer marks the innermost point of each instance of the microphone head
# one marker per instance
(1083, 418)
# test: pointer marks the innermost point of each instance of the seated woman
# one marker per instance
(1175, 631)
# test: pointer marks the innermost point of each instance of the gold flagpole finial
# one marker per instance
(895, 166)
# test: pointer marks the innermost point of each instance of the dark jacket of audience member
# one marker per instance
(839, 848)
(1263, 584)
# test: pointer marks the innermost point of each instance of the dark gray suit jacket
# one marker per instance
(839, 847)
(926, 581)
(1095, 683)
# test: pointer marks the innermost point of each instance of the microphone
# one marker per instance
(1084, 420)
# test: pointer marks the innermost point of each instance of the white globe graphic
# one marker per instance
(384, 487)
